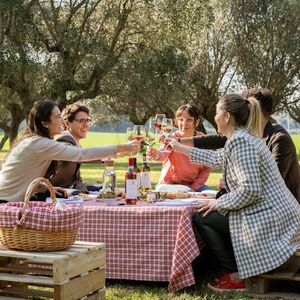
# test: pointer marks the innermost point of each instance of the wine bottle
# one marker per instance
(131, 184)
(109, 180)
(145, 176)
(138, 175)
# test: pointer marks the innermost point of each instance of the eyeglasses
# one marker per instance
(186, 120)
(83, 121)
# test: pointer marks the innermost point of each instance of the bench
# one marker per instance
(283, 282)
(73, 273)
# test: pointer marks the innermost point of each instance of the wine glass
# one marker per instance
(167, 126)
(150, 130)
(158, 120)
(138, 134)
(129, 134)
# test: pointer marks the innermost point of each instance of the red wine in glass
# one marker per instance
(157, 126)
(138, 138)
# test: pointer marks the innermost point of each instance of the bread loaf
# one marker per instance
(177, 194)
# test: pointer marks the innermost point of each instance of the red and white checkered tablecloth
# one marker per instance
(148, 243)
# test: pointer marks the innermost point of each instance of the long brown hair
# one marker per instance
(40, 112)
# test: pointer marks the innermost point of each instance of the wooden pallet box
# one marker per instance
(75, 273)
(283, 283)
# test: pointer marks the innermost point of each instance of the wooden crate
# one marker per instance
(75, 273)
(283, 283)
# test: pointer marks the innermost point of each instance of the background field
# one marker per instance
(142, 290)
(93, 173)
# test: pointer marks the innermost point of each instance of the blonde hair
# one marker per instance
(246, 112)
(254, 119)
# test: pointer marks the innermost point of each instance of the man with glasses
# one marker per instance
(66, 174)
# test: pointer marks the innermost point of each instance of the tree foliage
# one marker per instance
(267, 36)
(138, 58)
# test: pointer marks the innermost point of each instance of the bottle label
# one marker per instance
(131, 188)
(146, 180)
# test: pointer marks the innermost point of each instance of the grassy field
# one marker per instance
(126, 290)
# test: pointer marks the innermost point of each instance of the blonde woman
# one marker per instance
(254, 227)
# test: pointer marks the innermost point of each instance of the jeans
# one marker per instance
(214, 229)
(203, 188)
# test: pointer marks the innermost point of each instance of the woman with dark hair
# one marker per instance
(254, 227)
(176, 167)
(32, 154)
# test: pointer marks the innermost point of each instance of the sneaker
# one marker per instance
(227, 286)
(223, 278)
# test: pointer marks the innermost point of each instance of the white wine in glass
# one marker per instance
(129, 134)
(167, 126)
(150, 130)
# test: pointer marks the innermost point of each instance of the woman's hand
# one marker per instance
(208, 206)
(173, 144)
(152, 153)
(60, 192)
(132, 146)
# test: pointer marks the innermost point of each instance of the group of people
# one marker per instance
(31, 155)
(252, 228)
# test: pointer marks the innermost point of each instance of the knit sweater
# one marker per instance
(31, 158)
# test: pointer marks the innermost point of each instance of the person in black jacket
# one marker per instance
(276, 137)
(66, 174)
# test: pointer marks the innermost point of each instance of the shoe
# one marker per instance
(227, 286)
(223, 278)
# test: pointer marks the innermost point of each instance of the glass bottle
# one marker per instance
(109, 180)
(131, 184)
(138, 176)
(145, 176)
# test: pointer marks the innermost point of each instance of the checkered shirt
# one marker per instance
(144, 242)
(264, 216)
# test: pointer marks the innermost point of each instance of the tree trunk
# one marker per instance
(3, 140)
(13, 133)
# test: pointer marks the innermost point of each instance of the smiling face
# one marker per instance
(55, 124)
(186, 124)
(79, 126)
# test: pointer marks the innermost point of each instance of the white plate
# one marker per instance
(211, 194)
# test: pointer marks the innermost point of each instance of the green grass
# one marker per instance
(130, 290)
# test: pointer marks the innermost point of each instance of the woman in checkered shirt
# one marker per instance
(255, 227)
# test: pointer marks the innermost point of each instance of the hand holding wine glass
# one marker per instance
(131, 135)
(138, 133)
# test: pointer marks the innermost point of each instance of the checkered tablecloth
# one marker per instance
(147, 243)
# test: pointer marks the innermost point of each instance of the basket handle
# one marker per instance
(32, 186)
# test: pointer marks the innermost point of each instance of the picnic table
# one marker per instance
(144, 242)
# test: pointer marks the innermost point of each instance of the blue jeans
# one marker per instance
(203, 188)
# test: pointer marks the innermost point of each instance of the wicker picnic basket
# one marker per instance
(39, 226)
